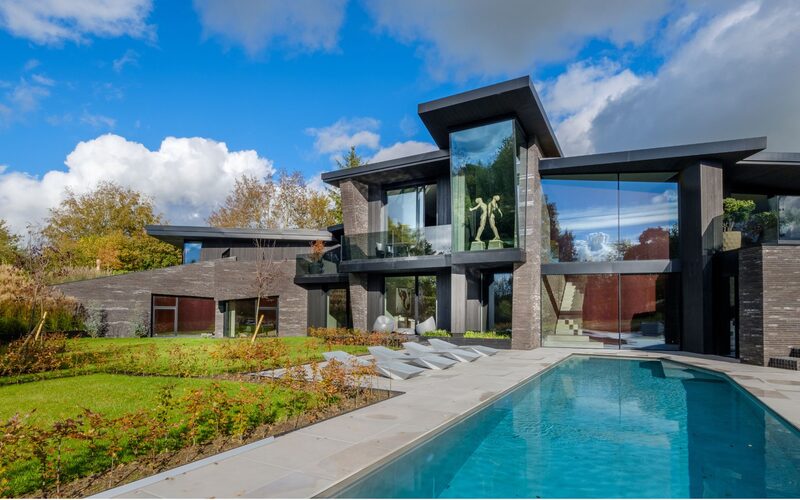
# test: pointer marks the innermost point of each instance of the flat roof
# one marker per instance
(655, 159)
(766, 172)
(400, 169)
(512, 98)
(179, 234)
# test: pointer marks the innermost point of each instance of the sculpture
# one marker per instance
(383, 324)
(480, 205)
(493, 207)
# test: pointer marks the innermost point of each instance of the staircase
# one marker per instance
(790, 362)
(569, 327)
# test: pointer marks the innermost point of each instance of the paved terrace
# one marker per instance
(309, 461)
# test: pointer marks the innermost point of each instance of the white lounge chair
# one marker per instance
(394, 370)
(457, 354)
(477, 349)
(429, 361)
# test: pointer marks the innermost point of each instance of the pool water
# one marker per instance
(604, 427)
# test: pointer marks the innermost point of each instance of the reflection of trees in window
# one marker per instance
(337, 308)
(562, 243)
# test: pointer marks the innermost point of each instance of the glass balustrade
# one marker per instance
(397, 242)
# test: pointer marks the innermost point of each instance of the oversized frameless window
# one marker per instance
(268, 308)
(485, 185)
(191, 252)
(410, 299)
(789, 218)
(182, 315)
(582, 216)
(497, 301)
(648, 216)
(336, 301)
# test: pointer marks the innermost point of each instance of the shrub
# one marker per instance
(28, 355)
(438, 333)
(96, 323)
(349, 336)
(472, 334)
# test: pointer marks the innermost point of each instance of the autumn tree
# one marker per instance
(288, 202)
(106, 226)
(9, 244)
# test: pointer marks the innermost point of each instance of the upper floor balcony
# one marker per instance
(313, 265)
(397, 243)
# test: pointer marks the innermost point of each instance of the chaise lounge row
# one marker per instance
(398, 365)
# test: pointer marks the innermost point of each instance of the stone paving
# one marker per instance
(310, 461)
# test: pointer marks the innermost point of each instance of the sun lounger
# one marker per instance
(391, 369)
(457, 354)
(477, 349)
(429, 361)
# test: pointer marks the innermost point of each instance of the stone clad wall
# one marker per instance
(526, 308)
(769, 302)
(126, 299)
(355, 215)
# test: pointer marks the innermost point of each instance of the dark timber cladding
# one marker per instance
(511, 98)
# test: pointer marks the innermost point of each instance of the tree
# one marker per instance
(351, 160)
(736, 212)
(264, 203)
(106, 226)
(9, 244)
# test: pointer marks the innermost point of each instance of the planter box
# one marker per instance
(731, 240)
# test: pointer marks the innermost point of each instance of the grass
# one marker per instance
(193, 357)
(486, 335)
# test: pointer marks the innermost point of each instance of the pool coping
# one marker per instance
(329, 456)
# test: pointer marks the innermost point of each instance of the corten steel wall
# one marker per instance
(125, 299)
(769, 302)
(526, 295)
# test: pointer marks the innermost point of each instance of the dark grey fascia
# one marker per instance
(489, 258)
(664, 159)
(767, 172)
(321, 279)
(179, 234)
(515, 97)
(422, 263)
(614, 267)
(399, 169)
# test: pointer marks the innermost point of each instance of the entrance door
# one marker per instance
(410, 299)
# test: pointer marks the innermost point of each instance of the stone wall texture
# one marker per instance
(355, 215)
(526, 305)
(769, 302)
(126, 299)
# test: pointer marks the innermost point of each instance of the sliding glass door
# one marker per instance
(410, 299)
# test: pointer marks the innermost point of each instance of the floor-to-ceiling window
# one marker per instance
(410, 300)
(242, 316)
(496, 301)
(336, 315)
(409, 212)
(628, 311)
(182, 315)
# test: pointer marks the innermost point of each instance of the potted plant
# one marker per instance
(317, 251)
(736, 213)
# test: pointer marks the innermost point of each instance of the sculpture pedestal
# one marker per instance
(477, 245)
(495, 244)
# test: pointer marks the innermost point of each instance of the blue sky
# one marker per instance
(90, 94)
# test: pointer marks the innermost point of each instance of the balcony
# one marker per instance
(308, 265)
(434, 240)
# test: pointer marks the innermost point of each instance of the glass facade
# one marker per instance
(336, 308)
(487, 180)
(191, 252)
(182, 315)
(410, 299)
(610, 217)
(789, 218)
(497, 301)
(619, 311)
(241, 318)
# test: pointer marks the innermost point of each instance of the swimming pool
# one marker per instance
(604, 427)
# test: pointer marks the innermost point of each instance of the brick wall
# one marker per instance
(769, 302)
(125, 299)
(355, 215)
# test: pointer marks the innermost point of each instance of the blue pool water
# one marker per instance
(604, 427)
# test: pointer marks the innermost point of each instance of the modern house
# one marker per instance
(498, 231)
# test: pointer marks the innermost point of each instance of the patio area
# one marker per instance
(312, 460)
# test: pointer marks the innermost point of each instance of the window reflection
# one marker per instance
(191, 252)
(608, 217)
(410, 300)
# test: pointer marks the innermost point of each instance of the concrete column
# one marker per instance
(700, 235)
(458, 299)
(355, 215)
(526, 305)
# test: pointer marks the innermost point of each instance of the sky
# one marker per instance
(178, 98)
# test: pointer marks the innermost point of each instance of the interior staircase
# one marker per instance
(569, 326)
(790, 362)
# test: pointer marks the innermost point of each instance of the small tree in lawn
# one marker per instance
(265, 276)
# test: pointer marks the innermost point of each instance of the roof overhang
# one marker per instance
(765, 173)
(665, 159)
(176, 235)
(513, 98)
(419, 166)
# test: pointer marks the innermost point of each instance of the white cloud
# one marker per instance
(736, 76)
(97, 121)
(302, 25)
(129, 58)
(31, 64)
(479, 38)
(57, 21)
(401, 149)
(186, 177)
(575, 98)
(346, 132)
(23, 98)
